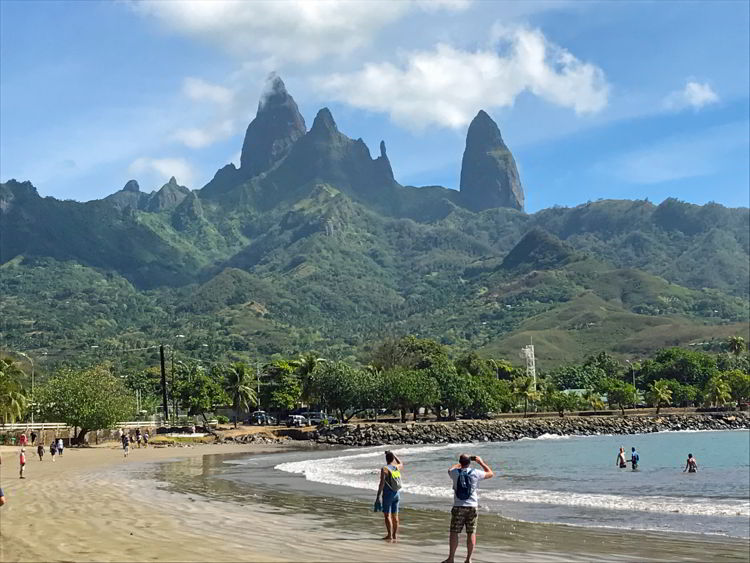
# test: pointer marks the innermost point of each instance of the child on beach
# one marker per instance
(22, 460)
(145, 439)
(40, 451)
(53, 448)
(125, 445)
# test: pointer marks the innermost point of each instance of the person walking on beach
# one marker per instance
(22, 461)
(138, 437)
(125, 445)
(621, 458)
(389, 490)
(60, 446)
(53, 448)
(145, 439)
(33, 437)
(692, 464)
(22, 439)
(40, 450)
(465, 502)
(2, 494)
(634, 458)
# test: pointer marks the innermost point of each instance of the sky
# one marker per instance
(595, 99)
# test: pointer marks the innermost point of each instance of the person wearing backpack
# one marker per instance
(465, 502)
(390, 492)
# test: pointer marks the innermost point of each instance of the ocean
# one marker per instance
(552, 479)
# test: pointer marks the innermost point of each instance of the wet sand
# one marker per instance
(167, 505)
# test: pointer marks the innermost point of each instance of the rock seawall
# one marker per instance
(373, 434)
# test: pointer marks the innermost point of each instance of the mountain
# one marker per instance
(489, 177)
(313, 244)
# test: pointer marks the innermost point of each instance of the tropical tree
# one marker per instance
(739, 385)
(13, 401)
(202, 391)
(502, 368)
(620, 393)
(717, 391)
(524, 390)
(659, 394)
(305, 366)
(408, 390)
(736, 345)
(89, 399)
(593, 399)
(238, 385)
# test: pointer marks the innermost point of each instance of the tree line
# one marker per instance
(405, 376)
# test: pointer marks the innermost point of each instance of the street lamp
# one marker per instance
(31, 361)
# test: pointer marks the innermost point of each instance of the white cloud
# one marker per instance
(161, 169)
(196, 137)
(447, 86)
(290, 31)
(694, 94)
(200, 90)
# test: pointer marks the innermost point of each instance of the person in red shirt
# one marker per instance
(22, 440)
(22, 459)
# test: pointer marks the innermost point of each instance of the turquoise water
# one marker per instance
(570, 480)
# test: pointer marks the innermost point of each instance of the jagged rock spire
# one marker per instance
(277, 125)
(489, 177)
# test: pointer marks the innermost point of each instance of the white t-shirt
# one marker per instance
(475, 475)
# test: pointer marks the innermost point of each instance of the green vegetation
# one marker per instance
(88, 399)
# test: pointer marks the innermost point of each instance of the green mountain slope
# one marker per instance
(312, 244)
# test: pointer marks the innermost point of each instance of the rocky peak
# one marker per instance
(324, 126)
(489, 177)
(131, 186)
(169, 196)
(277, 125)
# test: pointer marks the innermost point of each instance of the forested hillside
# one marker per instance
(313, 245)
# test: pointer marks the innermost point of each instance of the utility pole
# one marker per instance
(163, 383)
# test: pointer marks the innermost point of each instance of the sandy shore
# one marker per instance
(94, 506)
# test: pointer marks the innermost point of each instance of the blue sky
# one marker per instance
(595, 99)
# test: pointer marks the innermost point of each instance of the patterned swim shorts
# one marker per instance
(464, 516)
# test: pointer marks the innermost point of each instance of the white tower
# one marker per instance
(528, 353)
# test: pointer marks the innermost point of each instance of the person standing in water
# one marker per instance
(621, 459)
(389, 490)
(692, 464)
(634, 458)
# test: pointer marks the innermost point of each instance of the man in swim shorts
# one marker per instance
(389, 490)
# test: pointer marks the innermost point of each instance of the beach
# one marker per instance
(166, 504)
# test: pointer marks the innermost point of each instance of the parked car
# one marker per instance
(262, 418)
(296, 420)
(315, 417)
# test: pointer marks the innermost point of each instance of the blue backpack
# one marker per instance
(636, 457)
(464, 485)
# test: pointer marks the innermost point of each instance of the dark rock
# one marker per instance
(270, 136)
(489, 177)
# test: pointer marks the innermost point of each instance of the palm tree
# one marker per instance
(593, 399)
(306, 365)
(523, 388)
(238, 384)
(660, 394)
(12, 405)
(736, 345)
(717, 391)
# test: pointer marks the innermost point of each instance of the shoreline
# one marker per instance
(94, 506)
(508, 430)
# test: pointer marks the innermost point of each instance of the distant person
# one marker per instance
(692, 464)
(634, 458)
(22, 439)
(22, 461)
(2, 494)
(465, 502)
(40, 450)
(145, 439)
(621, 458)
(390, 491)
(125, 445)
(33, 437)
(138, 437)
(60, 447)
(53, 448)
